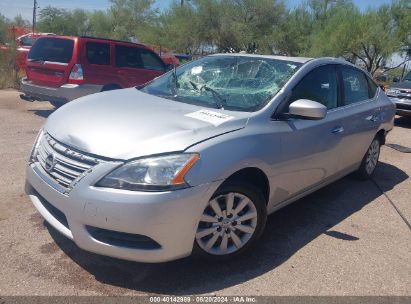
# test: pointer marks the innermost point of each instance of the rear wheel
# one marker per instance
(232, 221)
(370, 160)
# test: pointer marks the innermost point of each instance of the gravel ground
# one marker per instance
(350, 238)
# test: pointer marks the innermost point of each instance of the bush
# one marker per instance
(9, 70)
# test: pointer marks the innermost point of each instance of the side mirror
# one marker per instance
(308, 109)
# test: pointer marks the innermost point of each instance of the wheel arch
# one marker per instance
(253, 176)
(381, 134)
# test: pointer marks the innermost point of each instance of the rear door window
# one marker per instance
(133, 57)
(355, 85)
(98, 53)
(129, 57)
(151, 61)
(52, 49)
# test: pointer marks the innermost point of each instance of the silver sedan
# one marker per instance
(195, 160)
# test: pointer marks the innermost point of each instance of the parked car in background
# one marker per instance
(385, 80)
(400, 94)
(197, 158)
(60, 69)
(24, 43)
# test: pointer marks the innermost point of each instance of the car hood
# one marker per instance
(401, 85)
(125, 124)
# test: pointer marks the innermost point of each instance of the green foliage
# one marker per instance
(315, 28)
(3, 28)
(64, 22)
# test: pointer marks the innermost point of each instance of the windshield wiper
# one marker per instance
(218, 98)
(174, 86)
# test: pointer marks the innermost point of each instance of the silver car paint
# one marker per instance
(126, 124)
(298, 156)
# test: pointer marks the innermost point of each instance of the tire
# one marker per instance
(370, 160)
(250, 202)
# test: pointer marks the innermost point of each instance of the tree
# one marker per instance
(293, 38)
(131, 18)
(177, 29)
(101, 24)
(3, 28)
(365, 38)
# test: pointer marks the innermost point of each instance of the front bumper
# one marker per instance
(62, 94)
(403, 106)
(168, 218)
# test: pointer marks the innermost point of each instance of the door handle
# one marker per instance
(337, 130)
(375, 117)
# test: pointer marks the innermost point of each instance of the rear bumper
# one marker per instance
(61, 94)
(403, 106)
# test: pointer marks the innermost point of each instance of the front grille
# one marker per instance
(64, 165)
(404, 94)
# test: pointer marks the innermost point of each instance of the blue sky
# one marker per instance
(24, 7)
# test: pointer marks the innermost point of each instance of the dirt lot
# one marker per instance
(350, 238)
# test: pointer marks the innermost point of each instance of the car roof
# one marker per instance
(286, 58)
(93, 38)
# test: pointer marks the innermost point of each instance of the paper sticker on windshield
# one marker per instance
(214, 118)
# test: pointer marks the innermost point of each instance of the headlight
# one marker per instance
(33, 152)
(392, 92)
(151, 174)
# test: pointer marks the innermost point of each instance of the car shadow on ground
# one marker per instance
(287, 231)
(403, 121)
(42, 113)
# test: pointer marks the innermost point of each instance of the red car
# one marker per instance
(60, 68)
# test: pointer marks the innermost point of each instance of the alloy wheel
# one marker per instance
(227, 224)
(372, 156)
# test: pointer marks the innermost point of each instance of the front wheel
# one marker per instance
(370, 160)
(231, 222)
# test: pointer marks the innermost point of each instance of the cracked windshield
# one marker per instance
(238, 83)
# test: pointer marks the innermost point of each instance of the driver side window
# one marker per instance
(319, 85)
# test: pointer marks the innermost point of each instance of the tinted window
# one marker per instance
(98, 53)
(52, 49)
(128, 57)
(151, 61)
(27, 41)
(355, 85)
(319, 85)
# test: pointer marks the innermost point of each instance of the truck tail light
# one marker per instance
(76, 74)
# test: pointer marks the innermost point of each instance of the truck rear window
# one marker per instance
(52, 49)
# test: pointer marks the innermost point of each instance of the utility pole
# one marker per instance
(34, 16)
